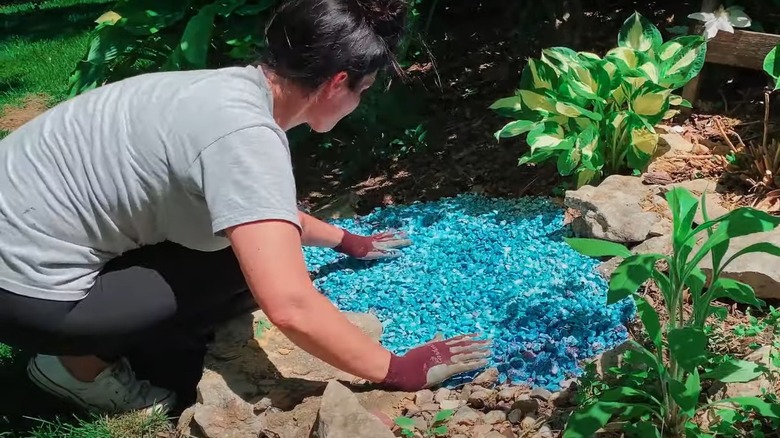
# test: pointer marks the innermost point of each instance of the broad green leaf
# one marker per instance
(195, 40)
(720, 312)
(649, 70)
(651, 101)
(739, 222)
(765, 247)
(543, 77)
(678, 100)
(545, 135)
(586, 176)
(623, 392)
(597, 247)
(684, 207)
(687, 395)
(771, 410)
(642, 429)
(688, 346)
(586, 420)
(772, 65)
(696, 281)
(515, 128)
(645, 356)
(649, 318)
(537, 101)
(513, 103)
(642, 141)
(561, 58)
(590, 80)
(682, 58)
(404, 422)
(571, 110)
(735, 290)
(439, 430)
(631, 274)
(588, 144)
(568, 160)
(639, 34)
(736, 371)
(255, 9)
(625, 58)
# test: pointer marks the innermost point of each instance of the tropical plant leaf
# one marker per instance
(765, 247)
(735, 290)
(584, 422)
(696, 281)
(684, 206)
(770, 410)
(687, 395)
(736, 371)
(772, 65)
(688, 346)
(639, 34)
(515, 128)
(630, 275)
(649, 318)
(642, 429)
(193, 49)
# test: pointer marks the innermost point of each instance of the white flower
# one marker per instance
(722, 19)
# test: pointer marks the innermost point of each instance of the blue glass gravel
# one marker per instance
(494, 266)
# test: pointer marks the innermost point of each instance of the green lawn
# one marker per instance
(40, 44)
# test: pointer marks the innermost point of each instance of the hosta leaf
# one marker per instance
(626, 59)
(629, 275)
(537, 101)
(515, 128)
(642, 141)
(586, 176)
(650, 71)
(538, 75)
(649, 318)
(772, 65)
(736, 371)
(688, 346)
(677, 100)
(588, 142)
(571, 110)
(545, 135)
(561, 58)
(651, 101)
(682, 58)
(568, 161)
(735, 290)
(590, 80)
(513, 103)
(597, 247)
(639, 34)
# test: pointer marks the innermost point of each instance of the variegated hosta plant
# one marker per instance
(597, 115)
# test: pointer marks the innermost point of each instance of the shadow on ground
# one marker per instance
(50, 23)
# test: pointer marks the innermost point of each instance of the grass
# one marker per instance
(130, 425)
(40, 44)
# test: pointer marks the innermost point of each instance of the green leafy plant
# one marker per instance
(772, 66)
(438, 427)
(598, 115)
(658, 389)
(146, 35)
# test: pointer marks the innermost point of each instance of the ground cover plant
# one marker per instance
(494, 266)
(596, 116)
(659, 391)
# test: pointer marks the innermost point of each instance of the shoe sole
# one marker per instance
(46, 384)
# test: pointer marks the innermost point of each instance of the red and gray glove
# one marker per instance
(435, 362)
(378, 246)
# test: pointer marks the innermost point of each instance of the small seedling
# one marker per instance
(438, 428)
(262, 326)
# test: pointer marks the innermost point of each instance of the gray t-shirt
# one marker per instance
(177, 156)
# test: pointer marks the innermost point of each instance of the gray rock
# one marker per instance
(495, 417)
(487, 378)
(526, 404)
(460, 435)
(441, 395)
(466, 416)
(341, 415)
(529, 422)
(507, 394)
(515, 416)
(561, 398)
(656, 245)
(481, 430)
(544, 432)
(465, 393)
(759, 270)
(479, 399)
(211, 421)
(420, 423)
(615, 210)
(541, 394)
(496, 434)
(430, 407)
(263, 405)
(424, 396)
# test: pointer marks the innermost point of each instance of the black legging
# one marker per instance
(158, 292)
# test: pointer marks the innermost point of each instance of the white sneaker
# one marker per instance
(114, 390)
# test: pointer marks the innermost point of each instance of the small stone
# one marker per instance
(482, 430)
(441, 395)
(460, 435)
(451, 404)
(465, 393)
(507, 394)
(430, 407)
(541, 394)
(515, 416)
(529, 422)
(526, 404)
(423, 397)
(420, 423)
(488, 378)
(410, 408)
(479, 399)
(570, 384)
(544, 432)
(263, 405)
(496, 434)
(495, 417)
(466, 416)
(507, 433)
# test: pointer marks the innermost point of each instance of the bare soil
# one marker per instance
(12, 117)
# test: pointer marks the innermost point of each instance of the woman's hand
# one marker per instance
(377, 246)
(436, 361)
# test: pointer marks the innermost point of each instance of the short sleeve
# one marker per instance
(246, 176)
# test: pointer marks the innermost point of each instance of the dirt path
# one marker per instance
(16, 116)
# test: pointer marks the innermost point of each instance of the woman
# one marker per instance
(145, 206)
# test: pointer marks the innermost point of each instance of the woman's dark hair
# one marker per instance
(309, 41)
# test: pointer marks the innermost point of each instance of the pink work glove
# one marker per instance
(435, 362)
(378, 246)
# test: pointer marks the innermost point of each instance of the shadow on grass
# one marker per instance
(50, 23)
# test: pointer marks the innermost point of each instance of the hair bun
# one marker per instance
(385, 17)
